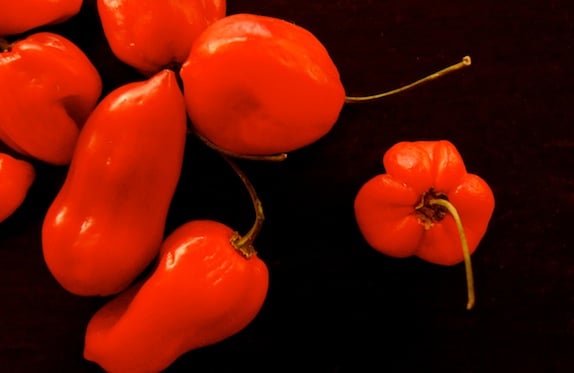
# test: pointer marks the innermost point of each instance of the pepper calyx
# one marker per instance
(244, 247)
(429, 213)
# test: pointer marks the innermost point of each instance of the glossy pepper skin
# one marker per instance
(49, 87)
(202, 291)
(261, 85)
(16, 177)
(107, 222)
(152, 34)
(393, 211)
(18, 16)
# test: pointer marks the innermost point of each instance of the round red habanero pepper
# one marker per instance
(152, 34)
(393, 212)
(257, 86)
(402, 213)
(107, 222)
(202, 291)
(16, 177)
(18, 16)
(49, 87)
(260, 85)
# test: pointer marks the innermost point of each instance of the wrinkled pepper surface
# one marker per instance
(16, 177)
(395, 213)
(202, 291)
(18, 16)
(152, 34)
(260, 85)
(106, 223)
(49, 87)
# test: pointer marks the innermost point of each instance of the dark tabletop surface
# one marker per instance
(334, 304)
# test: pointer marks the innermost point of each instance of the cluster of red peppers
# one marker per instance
(277, 91)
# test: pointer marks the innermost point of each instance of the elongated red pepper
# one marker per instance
(202, 291)
(16, 177)
(415, 207)
(49, 87)
(152, 34)
(18, 16)
(107, 222)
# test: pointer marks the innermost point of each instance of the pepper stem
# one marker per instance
(252, 157)
(465, 252)
(244, 244)
(464, 63)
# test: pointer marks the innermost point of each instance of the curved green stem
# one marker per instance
(252, 157)
(464, 63)
(244, 244)
(465, 251)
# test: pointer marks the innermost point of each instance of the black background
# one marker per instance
(334, 304)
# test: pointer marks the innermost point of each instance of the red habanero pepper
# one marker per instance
(49, 87)
(151, 34)
(202, 292)
(16, 177)
(426, 204)
(107, 222)
(18, 16)
(208, 285)
(258, 85)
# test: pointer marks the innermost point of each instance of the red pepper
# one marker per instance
(415, 207)
(16, 177)
(18, 16)
(260, 85)
(49, 87)
(107, 222)
(152, 34)
(202, 291)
